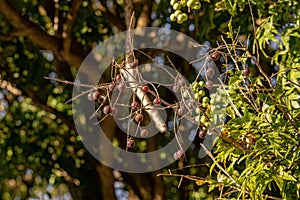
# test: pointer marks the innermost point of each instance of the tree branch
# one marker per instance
(36, 34)
(67, 27)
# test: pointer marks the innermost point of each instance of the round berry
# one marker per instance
(144, 133)
(90, 96)
(111, 86)
(204, 105)
(173, 17)
(176, 6)
(209, 84)
(145, 88)
(172, 2)
(215, 55)
(185, 16)
(210, 71)
(202, 134)
(205, 100)
(118, 78)
(101, 99)
(246, 71)
(183, 2)
(190, 3)
(201, 93)
(130, 143)
(135, 105)
(180, 18)
(113, 110)
(106, 110)
(157, 101)
(196, 5)
(177, 12)
(96, 95)
(139, 117)
(203, 119)
(180, 111)
(201, 83)
(121, 86)
(195, 86)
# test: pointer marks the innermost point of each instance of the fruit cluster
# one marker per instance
(136, 108)
(179, 16)
(201, 94)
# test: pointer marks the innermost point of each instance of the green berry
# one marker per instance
(180, 18)
(203, 119)
(207, 124)
(196, 6)
(176, 6)
(195, 86)
(201, 83)
(196, 96)
(189, 3)
(179, 21)
(185, 16)
(177, 12)
(205, 100)
(172, 2)
(182, 2)
(198, 110)
(173, 17)
(201, 93)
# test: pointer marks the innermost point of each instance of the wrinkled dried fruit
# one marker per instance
(96, 95)
(135, 105)
(246, 72)
(202, 134)
(121, 86)
(111, 86)
(144, 133)
(157, 101)
(139, 117)
(178, 154)
(118, 78)
(215, 55)
(106, 110)
(130, 143)
(145, 88)
(209, 84)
